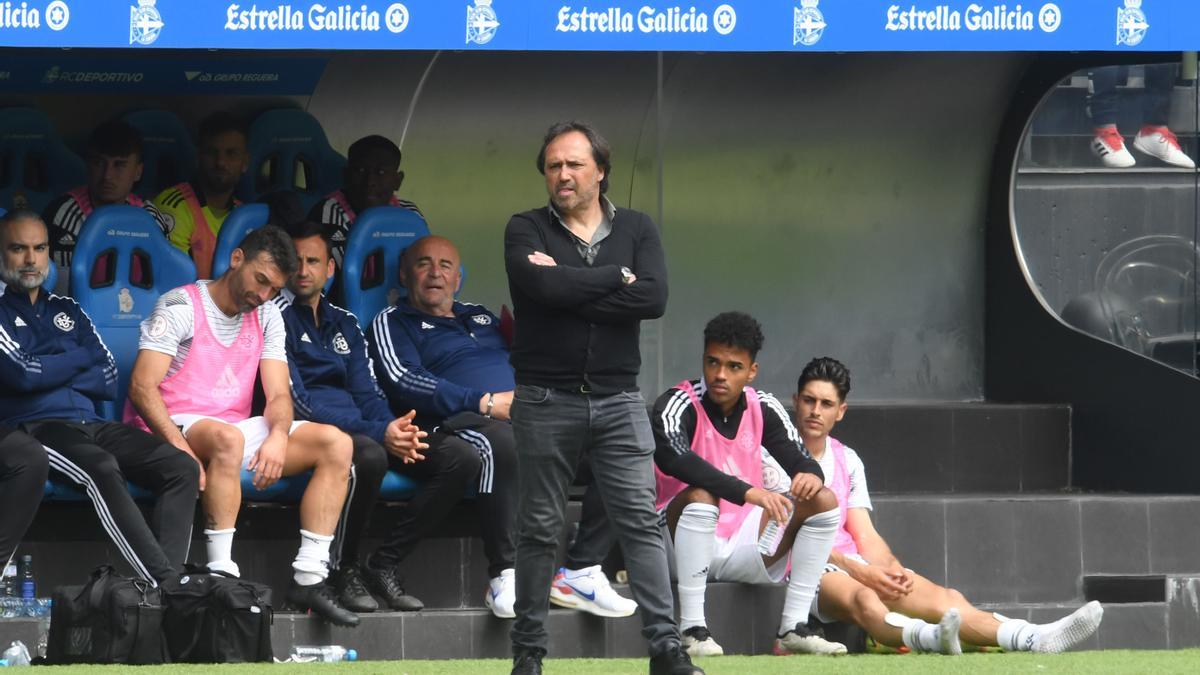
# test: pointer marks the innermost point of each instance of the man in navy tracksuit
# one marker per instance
(332, 383)
(449, 361)
(54, 369)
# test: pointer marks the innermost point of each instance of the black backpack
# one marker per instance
(110, 619)
(217, 618)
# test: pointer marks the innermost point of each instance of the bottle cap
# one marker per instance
(351, 655)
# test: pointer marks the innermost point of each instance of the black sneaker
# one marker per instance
(674, 661)
(389, 585)
(352, 591)
(528, 661)
(319, 598)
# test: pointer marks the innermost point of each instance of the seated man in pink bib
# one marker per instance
(193, 383)
(865, 584)
(726, 524)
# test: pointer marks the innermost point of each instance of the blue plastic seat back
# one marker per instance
(168, 154)
(139, 265)
(240, 222)
(35, 165)
(289, 151)
(371, 275)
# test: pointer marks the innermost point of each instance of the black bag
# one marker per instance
(217, 618)
(110, 619)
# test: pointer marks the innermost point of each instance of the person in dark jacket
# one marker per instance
(583, 274)
(332, 383)
(54, 370)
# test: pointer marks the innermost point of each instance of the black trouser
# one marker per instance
(100, 456)
(23, 468)
(468, 449)
(370, 466)
(595, 536)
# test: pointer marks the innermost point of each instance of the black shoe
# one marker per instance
(389, 585)
(319, 598)
(352, 591)
(674, 661)
(528, 661)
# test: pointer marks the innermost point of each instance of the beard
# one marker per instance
(17, 279)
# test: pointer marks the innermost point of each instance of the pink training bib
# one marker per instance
(843, 543)
(214, 380)
(739, 456)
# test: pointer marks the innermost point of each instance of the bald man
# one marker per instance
(449, 361)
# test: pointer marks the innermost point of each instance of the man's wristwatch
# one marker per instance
(491, 400)
(627, 276)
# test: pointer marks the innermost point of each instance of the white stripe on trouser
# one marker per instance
(77, 474)
(339, 534)
(487, 465)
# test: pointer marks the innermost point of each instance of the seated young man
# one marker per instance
(193, 383)
(333, 383)
(196, 210)
(709, 435)
(371, 178)
(114, 166)
(865, 583)
(54, 370)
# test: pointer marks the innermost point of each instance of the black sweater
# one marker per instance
(578, 325)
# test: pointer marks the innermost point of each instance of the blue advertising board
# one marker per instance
(609, 25)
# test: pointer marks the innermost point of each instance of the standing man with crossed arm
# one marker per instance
(583, 274)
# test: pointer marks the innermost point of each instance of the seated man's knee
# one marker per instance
(370, 458)
(825, 500)
(460, 458)
(334, 448)
(228, 447)
(695, 495)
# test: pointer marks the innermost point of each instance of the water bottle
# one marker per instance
(322, 654)
(16, 655)
(768, 541)
(28, 586)
(10, 580)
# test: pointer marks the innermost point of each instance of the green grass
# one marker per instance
(1089, 663)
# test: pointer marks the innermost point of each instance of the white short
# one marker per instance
(254, 429)
(737, 558)
(831, 568)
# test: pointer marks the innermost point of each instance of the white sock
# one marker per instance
(218, 545)
(1016, 635)
(695, 543)
(312, 560)
(810, 552)
(920, 636)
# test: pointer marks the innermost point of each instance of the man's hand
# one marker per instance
(404, 440)
(501, 405)
(897, 572)
(539, 258)
(805, 486)
(777, 506)
(882, 581)
(267, 463)
(186, 449)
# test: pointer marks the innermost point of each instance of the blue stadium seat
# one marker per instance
(371, 276)
(168, 153)
(289, 151)
(241, 221)
(35, 166)
(118, 302)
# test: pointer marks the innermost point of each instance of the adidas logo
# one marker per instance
(426, 326)
(227, 386)
(304, 338)
(19, 322)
